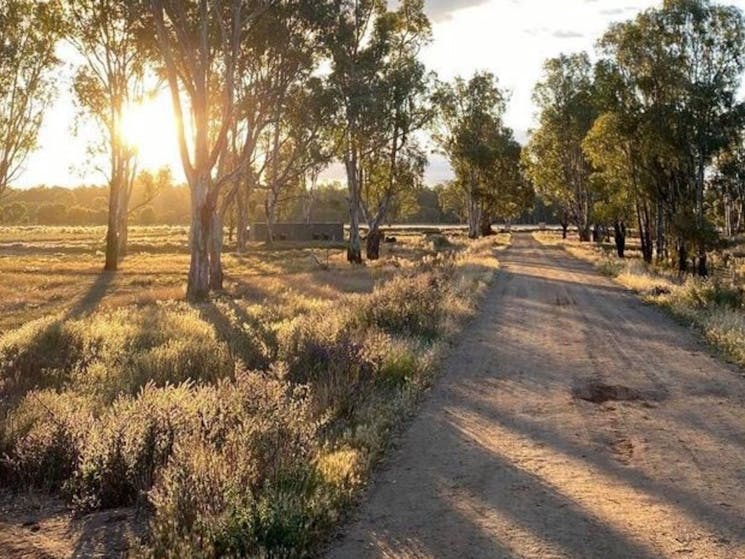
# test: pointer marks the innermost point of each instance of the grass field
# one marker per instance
(243, 426)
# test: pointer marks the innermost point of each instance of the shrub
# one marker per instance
(725, 328)
(400, 362)
(439, 242)
(610, 267)
(248, 493)
(406, 306)
(130, 443)
(166, 343)
(40, 354)
(328, 352)
(42, 439)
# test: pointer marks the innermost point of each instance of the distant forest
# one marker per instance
(158, 200)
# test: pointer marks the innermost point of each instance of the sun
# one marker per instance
(148, 128)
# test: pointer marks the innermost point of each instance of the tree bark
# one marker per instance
(660, 233)
(703, 269)
(474, 215)
(372, 243)
(564, 227)
(112, 231)
(354, 248)
(682, 257)
(486, 224)
(241, 219)
(123, 227)
(216, 244)
(645, 235)
(198, 286)
(619, 235)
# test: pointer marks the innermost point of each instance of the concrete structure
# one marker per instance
(298, 232)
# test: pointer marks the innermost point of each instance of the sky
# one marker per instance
(511, 38)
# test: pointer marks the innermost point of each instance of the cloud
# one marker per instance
(567, 34)
(440, 10)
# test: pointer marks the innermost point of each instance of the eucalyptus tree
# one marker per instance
(29, 31)
(507, 192)
(617, 176)
(405, 105)
(554, 159)
(357, 48)
(679, 68)
(199, 45)
(709, 48)
(282, 106)
(467, 129)
(106, 35)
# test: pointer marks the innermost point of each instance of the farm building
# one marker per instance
(298, 232)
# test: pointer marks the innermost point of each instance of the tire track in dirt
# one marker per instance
(504, 460)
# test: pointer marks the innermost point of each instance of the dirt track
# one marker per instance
(506, 458)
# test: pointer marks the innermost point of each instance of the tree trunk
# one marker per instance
(682, 257)
(486, 225)
(241, 219)
(354, 248)
(585, 233)
(619, 235)
(198, 286)
(216, 244)
(702, 270)
(474, 216)
(269, 212)
(372, 243)
(564, 228)
(123, 233)
(660, 233)
(112, 232)
(645, 235)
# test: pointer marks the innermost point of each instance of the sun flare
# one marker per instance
(148, 127)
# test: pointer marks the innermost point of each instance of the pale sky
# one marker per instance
(511, 38)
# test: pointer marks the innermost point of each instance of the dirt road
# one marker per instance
(572, 421)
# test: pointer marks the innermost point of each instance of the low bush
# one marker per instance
(409, 306)
(248, 491)
(166, 343)
(40, 354)
(42, 439)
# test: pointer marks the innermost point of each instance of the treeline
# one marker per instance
(170, 205)
(651, 136)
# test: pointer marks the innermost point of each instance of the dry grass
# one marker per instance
(115, 392)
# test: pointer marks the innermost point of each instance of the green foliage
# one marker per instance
(41, 439)
(244, 489)
(554, 160)
(42, 354)
(668, 86)
(470, 131)
(29, 31)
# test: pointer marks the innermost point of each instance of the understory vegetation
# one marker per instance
(242, 426)
(715, 305)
